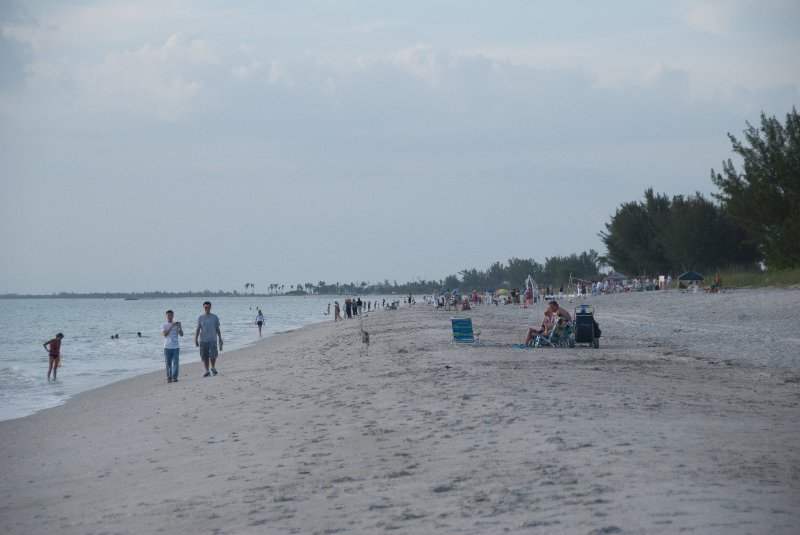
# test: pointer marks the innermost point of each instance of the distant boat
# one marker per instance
(131, 299)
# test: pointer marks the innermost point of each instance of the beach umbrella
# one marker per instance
(690, 276)
(502, 291)
(616, 276)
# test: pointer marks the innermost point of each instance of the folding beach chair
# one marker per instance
(462, 332)
(559, 336)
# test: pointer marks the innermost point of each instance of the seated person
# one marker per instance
(465, 305)
(560, 312)
(544, 328)
(717, 284)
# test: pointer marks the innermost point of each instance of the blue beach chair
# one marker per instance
(559, 336)
(463, 333)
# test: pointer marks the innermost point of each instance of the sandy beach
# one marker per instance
(687, 419)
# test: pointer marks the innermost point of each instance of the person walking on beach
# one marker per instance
(205, 337)
(53, 348)
(259, 321)
(337, 312)
(172, 347)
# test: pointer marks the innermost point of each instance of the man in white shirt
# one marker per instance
(171, 331)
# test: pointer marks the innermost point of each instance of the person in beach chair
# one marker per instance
(463, 333)
(559, 336)
(716, 286)
(545, 327)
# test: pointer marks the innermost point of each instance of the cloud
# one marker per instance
(426, 62)
(245, 71)
(157, 80)
(735, 19)
(713, 17)
(662, 77)
(17, 32)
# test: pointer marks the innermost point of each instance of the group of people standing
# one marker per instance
(207, 337)
(352, 308)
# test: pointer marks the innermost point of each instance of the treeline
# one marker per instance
(556, 271)
(757, 219)
(662, 235)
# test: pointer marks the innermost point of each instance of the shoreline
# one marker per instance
(667, 427)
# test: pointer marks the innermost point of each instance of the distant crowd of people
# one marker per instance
(355, 307)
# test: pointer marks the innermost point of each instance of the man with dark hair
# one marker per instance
(558, 311)
(172, 348)
(205, 337)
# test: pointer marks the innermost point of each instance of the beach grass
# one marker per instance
(751, 279)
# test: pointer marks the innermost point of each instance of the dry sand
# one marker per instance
(687, 419)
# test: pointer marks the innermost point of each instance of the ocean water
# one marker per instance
(90, 358)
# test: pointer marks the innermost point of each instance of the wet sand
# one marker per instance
(687, 419)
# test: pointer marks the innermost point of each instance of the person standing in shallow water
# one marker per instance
(259, 321)
(172, 347)
(205, 337)
(53, 348)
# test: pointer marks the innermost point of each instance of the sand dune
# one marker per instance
(685, 420)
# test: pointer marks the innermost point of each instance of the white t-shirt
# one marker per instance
(171, 340)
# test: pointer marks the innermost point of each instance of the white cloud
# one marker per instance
(658, 75)
(425, 61)
(160, 81)
(186, 47)
(244, 72)
(711, 17)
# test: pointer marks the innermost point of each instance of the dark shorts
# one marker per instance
(259, 323)
(208, 350)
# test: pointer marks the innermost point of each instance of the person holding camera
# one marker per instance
(171, 331)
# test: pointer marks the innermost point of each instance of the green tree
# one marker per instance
(519, 269)
(472, 279)
(661, 235)
(765, 196)
(631, 241)
(697, 235)
(557, 270)
(496, 275)
(451, 281)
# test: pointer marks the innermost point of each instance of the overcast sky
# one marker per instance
(196, 144)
